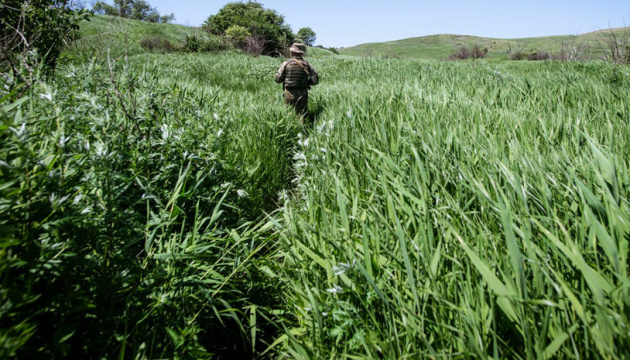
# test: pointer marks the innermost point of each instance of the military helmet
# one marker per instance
(298, 48)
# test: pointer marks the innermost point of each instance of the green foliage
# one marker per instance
(35, 31)
(265, 23)
(132, 9)
(306, 36)
(125, 210)
(237, 35)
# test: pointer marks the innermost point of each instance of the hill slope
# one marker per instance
(441, 46)
(127, 36)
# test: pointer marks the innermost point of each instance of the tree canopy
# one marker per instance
(307, 36)
(132, 9)
(258, 21)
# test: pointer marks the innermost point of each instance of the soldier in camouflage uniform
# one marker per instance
(297, 76)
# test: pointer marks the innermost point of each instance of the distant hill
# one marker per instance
(441, 46)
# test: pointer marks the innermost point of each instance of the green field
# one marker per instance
(168, 205)
(439, 47)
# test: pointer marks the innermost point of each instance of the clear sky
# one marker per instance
(342, 23)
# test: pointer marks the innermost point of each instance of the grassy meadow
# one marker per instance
(168, 205)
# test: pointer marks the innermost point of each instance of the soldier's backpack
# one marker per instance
(297, 75)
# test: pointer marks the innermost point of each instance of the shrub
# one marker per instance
(264, 24)
(463, 53)
(255, 45)
(616, 46)
(517, 55)
(538, 56)
(155, 43)
(238, 35)
(33, 32)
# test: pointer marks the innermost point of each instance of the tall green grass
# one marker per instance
(167, 206)
(130, 207)
(462, 210)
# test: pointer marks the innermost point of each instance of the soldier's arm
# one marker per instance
(280, 74)
(314, 75)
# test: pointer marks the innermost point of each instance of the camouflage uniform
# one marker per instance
(297, 76)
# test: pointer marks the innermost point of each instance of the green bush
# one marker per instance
(35, 31)
(258, 21)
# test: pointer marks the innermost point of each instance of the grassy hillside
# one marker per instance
(441, 46)
(131, 37)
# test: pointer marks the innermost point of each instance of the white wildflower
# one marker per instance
(283, 196)
(148, 196)
(242, 193)
(305, 142)
(216, 116)
(219, 132)
(165, 131)
(101, 149)
(324, 314)
(336, 289)
(47, 96)
(299, 156)
(20, 132)
(349, 113)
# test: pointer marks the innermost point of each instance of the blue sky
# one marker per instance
(352, 22)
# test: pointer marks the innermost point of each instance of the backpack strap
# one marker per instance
(302, 66)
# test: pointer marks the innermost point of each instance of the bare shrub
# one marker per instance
(478, 53)
(463, 53)
(574, 50)
(255, 45)
(391, 55)
(155, 43)
(517, 55)
(616, 46)
(538, 56)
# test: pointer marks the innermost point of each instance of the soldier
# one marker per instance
(297, 76)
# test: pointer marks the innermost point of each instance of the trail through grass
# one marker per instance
(173, 207)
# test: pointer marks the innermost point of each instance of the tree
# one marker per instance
(132, 9)
(307, 36)
(265, 24)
